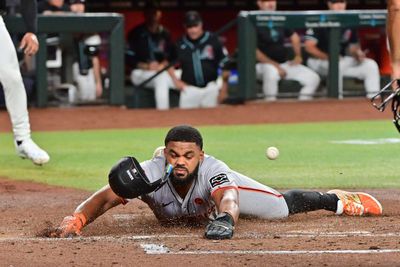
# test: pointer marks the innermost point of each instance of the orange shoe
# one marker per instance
(356, 203)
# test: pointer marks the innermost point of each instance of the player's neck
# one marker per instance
(182, 190)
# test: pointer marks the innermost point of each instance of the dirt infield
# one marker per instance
(131, 236)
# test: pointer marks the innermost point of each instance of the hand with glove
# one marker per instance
(221, 227)
(70, 226)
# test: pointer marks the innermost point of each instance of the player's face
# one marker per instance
(195, 32)
(57, 3)
(185, 157)
(269, 5)
(78, 8)
(153, 16)
(339, 5)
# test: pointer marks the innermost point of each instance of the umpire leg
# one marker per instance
(303, 201)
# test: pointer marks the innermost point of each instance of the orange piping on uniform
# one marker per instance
(258, 190)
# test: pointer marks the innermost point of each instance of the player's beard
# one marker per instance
(184, 181)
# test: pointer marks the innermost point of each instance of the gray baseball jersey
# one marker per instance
(255, 199)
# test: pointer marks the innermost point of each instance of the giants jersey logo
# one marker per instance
(219, 179)
(207, 53)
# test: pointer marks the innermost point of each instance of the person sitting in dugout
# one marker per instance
(183, 184)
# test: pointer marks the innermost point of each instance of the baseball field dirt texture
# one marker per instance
(131, 236)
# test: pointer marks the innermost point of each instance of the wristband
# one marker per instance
(225, 216)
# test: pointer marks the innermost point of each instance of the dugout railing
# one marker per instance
(111, 23)
(248, 21)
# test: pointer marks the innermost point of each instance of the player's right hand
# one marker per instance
(221, 227)
(70, 226)
(29, 44)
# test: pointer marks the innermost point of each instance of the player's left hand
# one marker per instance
(221, 227)
(29, 44)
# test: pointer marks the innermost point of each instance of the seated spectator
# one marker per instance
(52, 6)
(352, 63)
(199, 53)
(87, 78)
(274, 64)
(151, 45)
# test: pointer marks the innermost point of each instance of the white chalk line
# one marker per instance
(290, 234)
(95, 238)
(162, 249)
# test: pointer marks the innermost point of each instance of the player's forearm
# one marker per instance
(98, 203)
(229, 203)
(296, 44)
(393, 29)
(28, 12)
(263, 58)
(314, 51)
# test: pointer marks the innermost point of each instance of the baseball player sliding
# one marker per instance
(14, 90)
(183, 184)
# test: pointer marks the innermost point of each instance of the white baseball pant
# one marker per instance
(86, 83)
(196, 97)
(13, 86)
(270, 77)
(161, 84)
(366, 70)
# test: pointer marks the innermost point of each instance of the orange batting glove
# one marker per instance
(70, 226)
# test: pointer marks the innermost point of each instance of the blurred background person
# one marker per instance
(151, 46)
(274, 64)
(352, 62)
(199, 54)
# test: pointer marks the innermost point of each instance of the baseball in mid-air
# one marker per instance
(272, 152)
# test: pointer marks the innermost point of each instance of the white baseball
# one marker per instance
(272, 152)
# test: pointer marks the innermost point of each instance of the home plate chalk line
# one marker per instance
(159, 248)
(289, 234)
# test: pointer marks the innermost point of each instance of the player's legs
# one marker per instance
(210, 94)
(366, 70)
(321, 66)
(190, 97)
(303, 201)
(14, 90)
(160, 84)
(16, 101)
(270, 77)
(305, 76)
(85, 83)
(256, 199)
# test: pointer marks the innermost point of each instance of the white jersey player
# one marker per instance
(14, 90)
(202, 188)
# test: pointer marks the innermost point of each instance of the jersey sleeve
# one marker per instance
(312, 34)
(28, 12)
(218, 50)
(217, 175)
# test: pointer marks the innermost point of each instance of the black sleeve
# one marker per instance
(28, 12)
(218, 49)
